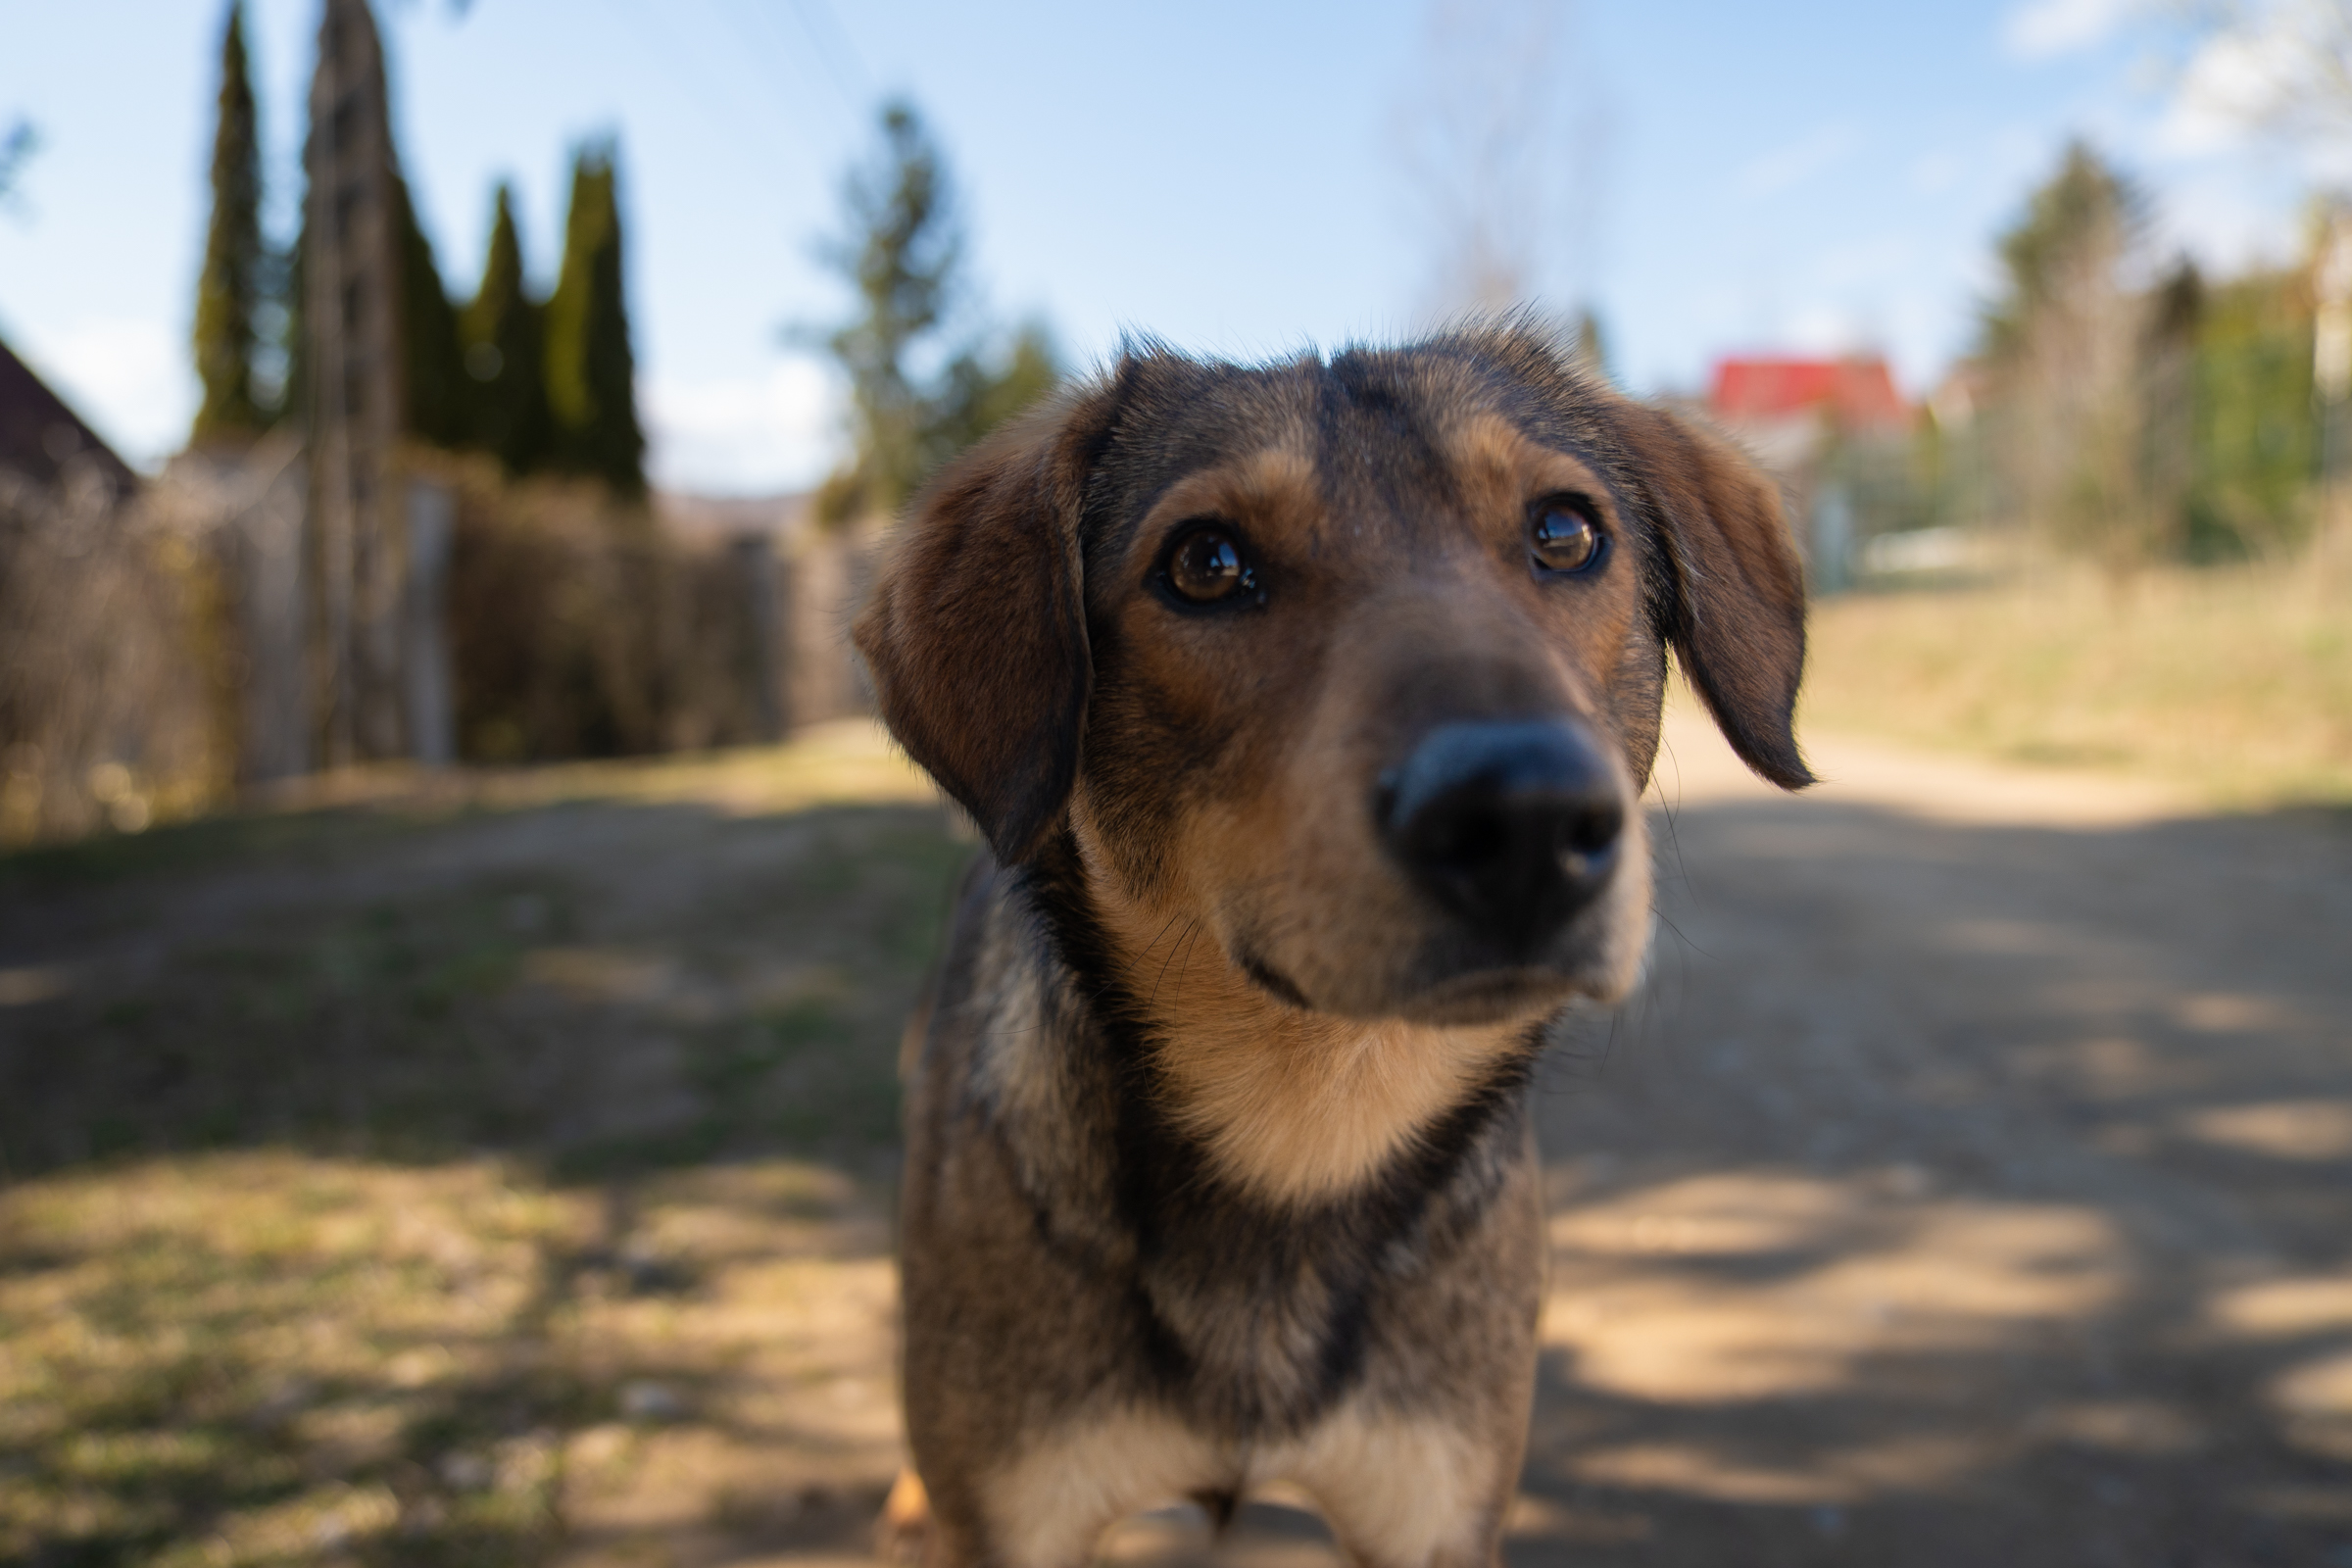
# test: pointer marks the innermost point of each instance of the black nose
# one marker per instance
(1511, 825)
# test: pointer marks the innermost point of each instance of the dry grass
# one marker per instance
(273, 1358)
(484, 1169)
(2235, 684)
(112, 703)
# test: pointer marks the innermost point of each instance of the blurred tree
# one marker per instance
(505, 341)
(2063, 341)
(2256, 436)
(17, 148)
(591, 371)
(229, 292)
(1502, 135)
(1588, 347)
(979, 390)
(903, 253)
(2171, 317)
(432, 361)
(294, 350)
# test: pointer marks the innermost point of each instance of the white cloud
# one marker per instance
(2221, 94)
(2277, 67)
(2213, 217)
(128, 377)
(2043, 29)
(1829, 329)
(1785, 168)
(743, 435)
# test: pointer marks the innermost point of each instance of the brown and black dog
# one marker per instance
(1307, 709)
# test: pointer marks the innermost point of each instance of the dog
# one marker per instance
(1305, 710)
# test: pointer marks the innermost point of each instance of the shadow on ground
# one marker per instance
(1960, 1193)
(459, 1186)
(512, 1187)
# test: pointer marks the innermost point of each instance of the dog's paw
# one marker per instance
(902, 1532)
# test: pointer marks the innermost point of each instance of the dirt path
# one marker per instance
(1972, 1184)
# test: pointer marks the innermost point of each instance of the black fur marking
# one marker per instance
(1271, 981)
(1200, 1238)
(1219, 1506)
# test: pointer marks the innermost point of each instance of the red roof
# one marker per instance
(1855, 392)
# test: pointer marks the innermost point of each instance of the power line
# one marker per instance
(773, 53)
(709, 97)
(838, 54)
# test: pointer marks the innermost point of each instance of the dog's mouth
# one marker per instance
(1504, 865)
(1488, 994)
(1272, 981)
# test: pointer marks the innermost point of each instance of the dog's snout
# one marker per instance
(1512, 825)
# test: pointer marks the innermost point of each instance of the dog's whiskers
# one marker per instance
(1191, 928)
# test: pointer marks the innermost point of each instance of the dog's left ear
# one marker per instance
(976, 631)
(1735, 614)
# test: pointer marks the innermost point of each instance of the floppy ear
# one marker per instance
(1735, 610)
(976, 630)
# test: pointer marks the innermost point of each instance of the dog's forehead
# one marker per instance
(1370, 426)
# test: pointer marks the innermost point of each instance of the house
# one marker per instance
(1810, 422)
(45, 443)
(1853, 394)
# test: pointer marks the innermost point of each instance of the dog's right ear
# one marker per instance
(1735, 609)
(976, 631)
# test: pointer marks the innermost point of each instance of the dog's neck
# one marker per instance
(1298, 1108)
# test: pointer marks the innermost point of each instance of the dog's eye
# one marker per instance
(1563, 536)
(1207, 564)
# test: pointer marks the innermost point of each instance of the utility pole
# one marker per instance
(2331, 368)
(351, 306)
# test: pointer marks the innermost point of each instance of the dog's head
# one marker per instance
(1356, 664)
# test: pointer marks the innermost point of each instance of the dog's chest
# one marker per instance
(1249, 1316)
(1261, 1319)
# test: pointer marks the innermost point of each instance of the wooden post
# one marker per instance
(351, 311)
(272, 605)
(429, 703)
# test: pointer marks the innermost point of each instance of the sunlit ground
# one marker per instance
(497, 1170)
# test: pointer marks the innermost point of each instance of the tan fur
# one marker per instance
(902, 1535)
(1275, 483)
(1296, 1106)
(1053, 1501)
(1356, 1465)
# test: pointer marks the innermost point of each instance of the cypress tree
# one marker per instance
(229, 292)
(432, 363)
(591, 371)
(505, 341)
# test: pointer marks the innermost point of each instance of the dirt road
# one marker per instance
(1972, 1184)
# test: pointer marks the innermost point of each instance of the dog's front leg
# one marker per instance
(1413, 1489)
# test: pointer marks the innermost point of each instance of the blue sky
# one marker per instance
(1235, 177)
